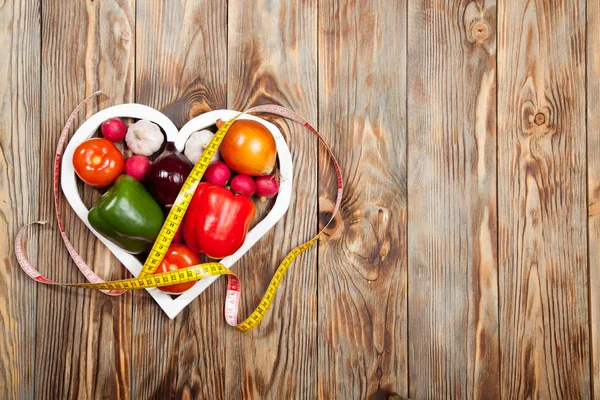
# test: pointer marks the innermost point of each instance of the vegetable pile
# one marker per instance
(138, 191)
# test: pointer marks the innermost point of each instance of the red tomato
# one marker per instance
(98, 162)
(178, 256)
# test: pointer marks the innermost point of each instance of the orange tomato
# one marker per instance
(178, 256)
(98, 162)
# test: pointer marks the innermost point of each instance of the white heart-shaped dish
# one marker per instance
(173, 306)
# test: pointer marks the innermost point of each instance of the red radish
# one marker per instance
(244, 185)
(266, 187)
(178, 238)
(137, 167)
(114, 129)
(217, 173)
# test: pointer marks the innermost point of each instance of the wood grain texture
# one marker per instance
(593, 168)
(362, 261)
(181, 69)
(181, 56)
(272, 58)
(452, 262)
(458, 267)
(542, 211)
(83, 338)
(19, 180)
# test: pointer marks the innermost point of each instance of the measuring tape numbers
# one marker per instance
(147, 277)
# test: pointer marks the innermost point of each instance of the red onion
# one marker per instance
(243, 185)
(167, 175)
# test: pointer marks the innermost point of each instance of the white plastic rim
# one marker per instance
(173, 306)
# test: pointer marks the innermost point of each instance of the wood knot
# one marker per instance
(480, 31)
(536, 120)
(384, 252)
(478, 23)
(336, 227)
(324, 218)
(539, 119)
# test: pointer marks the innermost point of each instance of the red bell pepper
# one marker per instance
(217, 221)
(191, 216)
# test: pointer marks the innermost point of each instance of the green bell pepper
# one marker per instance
(127, 215)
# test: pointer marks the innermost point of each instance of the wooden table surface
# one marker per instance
(464, 262)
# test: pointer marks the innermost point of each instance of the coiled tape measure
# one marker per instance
(147, 278)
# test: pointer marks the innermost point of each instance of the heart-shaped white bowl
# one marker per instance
(173, 306)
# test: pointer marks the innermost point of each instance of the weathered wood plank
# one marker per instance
(180, 69)
(83, 338)
(273, 59)
(542, 247)
(20, 71)
(182, 50)
(452, 263)
(360, 329)
(362, 262)
(593, 168)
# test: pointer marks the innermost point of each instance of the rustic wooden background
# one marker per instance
(464, 264)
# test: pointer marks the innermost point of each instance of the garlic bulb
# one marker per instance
(144, 137)
(196, 143)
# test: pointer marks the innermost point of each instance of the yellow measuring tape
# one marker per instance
(182, 202)
(147, 277)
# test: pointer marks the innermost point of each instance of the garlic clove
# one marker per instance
(196, 144)
(144, 138)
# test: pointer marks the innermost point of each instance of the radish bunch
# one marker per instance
(219, 174)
